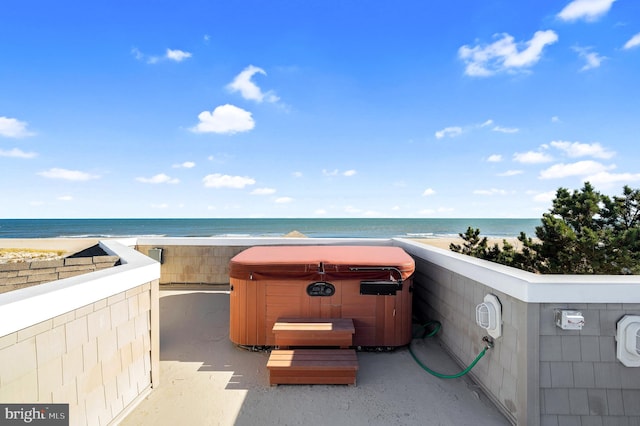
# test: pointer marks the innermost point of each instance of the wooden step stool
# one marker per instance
(313, 332)
(313, 367)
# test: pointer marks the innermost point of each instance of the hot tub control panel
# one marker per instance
(321, 288)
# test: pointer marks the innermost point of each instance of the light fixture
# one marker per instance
(569, 320)
(489, 315)
(628, 338)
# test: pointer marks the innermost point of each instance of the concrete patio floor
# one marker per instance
(207, 380)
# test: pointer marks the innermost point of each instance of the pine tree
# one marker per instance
(585, 232)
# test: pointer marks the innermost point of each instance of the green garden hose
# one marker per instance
(436, 327)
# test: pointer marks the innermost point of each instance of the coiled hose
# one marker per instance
(436, 327)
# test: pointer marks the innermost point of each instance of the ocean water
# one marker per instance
(318, 228)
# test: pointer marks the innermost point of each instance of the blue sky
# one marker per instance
(295, 108)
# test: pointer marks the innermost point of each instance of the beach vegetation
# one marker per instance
(584, 232)
(21, 255)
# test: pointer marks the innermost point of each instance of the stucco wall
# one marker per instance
(206, 260)
(90, 341)
(96, 358)
(537, 373)
(183, 264)
(450, 298)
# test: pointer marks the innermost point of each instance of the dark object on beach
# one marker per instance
(90, 252)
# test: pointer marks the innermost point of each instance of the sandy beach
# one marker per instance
(69, 245)
(444, 243)
(14, 250)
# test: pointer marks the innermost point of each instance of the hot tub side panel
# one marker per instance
(378, 320)
(255, 306)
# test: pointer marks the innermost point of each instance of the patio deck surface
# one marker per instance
(207, 380)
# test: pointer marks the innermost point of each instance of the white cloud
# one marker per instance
(429, 191)
(489, 122)
(505, 129)
(606, 179)
(320, 212)
(494, 158)
(170, 54)
(185, 165)
(64, 174)
(335, 172)
(159, 178)
(580, 168)
(17, 153)
(490, 192)
(224, 119)
(589, 10)
(505, 54)
(137, 53)
(449, 132)
(177, 55)
(13, 128)
(592, 59)
(65, 198)
(510, 173)
(248, 89)
(218, 180)
(160, 206)
(632, 42)
(297, 174)
(263, 191)
(544, 197)
(555, 119)
(149, 59)
(577, 149)
(532, 157)
(283, 200)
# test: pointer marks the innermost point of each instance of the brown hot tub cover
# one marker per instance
(306, 262)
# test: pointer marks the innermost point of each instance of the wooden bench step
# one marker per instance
(313, 367)
(314, 332)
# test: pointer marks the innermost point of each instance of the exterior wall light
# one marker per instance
(489, 315)
(628, 338)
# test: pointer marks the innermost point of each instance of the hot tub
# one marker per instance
(369, 284)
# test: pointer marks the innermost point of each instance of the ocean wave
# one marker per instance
(113, 236)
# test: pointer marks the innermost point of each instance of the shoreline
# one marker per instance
(443, 242)
(71, 245)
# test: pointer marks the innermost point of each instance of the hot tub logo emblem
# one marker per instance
(321, 288)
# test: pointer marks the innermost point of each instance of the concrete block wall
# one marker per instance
(451, 299)
(562, 377)
(96, 358)
(14, 276)
(581, 380)
(185, 264)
